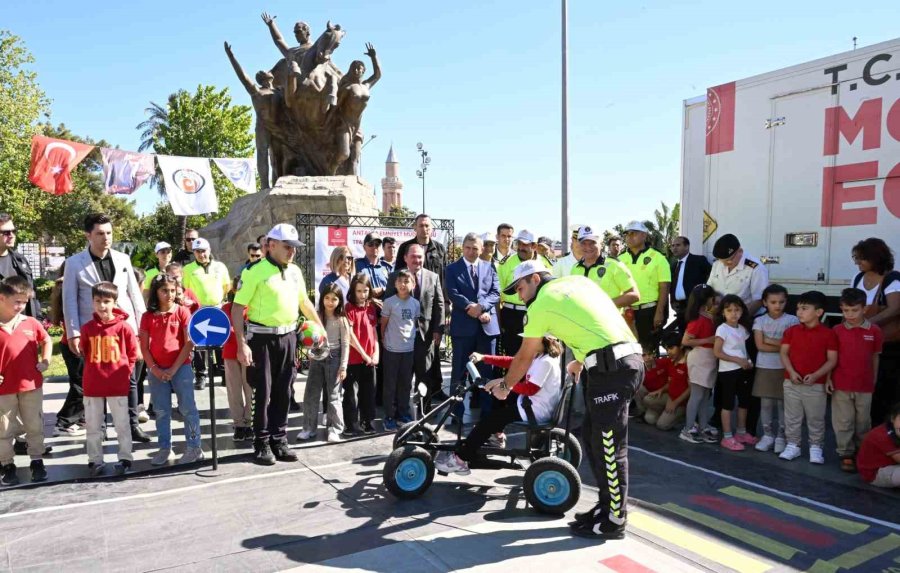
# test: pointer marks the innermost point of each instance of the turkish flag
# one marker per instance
(52, 162)
(720, 118)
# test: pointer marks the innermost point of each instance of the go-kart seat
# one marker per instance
(558, 418)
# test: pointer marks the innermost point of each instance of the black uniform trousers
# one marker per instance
(512, 323)
(647, 334)
(271, 376)
(605, 430)
(72, 411)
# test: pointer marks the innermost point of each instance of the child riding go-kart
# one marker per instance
(552, 484)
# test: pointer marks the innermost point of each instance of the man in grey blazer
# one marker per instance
(430, 324)
(97, 263)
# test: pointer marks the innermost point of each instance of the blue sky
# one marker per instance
(477, 82)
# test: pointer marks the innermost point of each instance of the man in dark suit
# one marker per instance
(430, 325)
(688, 271)
(474, 291)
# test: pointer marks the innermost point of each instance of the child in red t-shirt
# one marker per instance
(878, 458)
(672, 412)
(24, 354)
(650, 397)
(167, 348)
(240, 395)
(110, 350)
(699, 340)
(360, 382)
(809, 351)
(853, 380)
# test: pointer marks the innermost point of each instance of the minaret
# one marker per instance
(391, 186)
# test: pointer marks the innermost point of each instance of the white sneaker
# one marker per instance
(333, 436)
(815, 455)
(143, 417)
(73, 430)
(306, 435)
(765, 444)
(161, 457)
(791, 452)
(450, 463)
(780, 444)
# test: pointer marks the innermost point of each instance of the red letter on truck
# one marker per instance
(867, 120)
(835, 195)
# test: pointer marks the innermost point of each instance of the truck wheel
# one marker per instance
(568, 449)
(552, 486)
(408, 472)
(422, 434)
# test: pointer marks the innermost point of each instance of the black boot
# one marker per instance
(263, 454)
(601, 527)
(38, 472)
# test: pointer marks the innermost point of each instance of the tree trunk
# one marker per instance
(182, 228)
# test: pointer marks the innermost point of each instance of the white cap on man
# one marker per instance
(488, 237)
(636, 226)
(525, 236)
(587, 233)
(161, 245)
(200, 244)
(525, 269)
(286, 234)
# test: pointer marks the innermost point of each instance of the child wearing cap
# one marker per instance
(163, 252)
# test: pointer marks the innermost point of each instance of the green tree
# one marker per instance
(662, 229)
(199, 124)
(22, 104)
(396, 216)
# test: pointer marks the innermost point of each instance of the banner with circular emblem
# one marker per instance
(189, 184)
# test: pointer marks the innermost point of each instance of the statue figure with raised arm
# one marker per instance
(268, 102)
(345, 116)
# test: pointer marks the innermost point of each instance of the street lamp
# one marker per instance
(371, 137)
(423, 168)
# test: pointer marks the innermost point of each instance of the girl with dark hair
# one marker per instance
(699, 337)
(733, 381)
(359, 387)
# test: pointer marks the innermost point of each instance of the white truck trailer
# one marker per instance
(800, 163)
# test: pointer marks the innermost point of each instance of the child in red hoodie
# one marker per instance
(110, 349)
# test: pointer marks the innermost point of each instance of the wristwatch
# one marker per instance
(503, 386)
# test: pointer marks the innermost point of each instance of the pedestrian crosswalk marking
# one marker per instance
(712, 550)
(825, 520)
(858, 556)
(761, 542)
(624, 564)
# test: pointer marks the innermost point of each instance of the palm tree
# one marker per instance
(156, 122)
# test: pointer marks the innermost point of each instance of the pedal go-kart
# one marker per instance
(552, 484)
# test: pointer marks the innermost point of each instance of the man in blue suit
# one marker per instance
(474, 290)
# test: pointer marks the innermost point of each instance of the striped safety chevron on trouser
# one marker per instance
(616, 500)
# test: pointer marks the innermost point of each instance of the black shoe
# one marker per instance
(367, 428)
(296, 406)
(263, 455)
(249, 434)
(8, 475)
(239, 434)
(283, 452)
(604, 529)
(139, 435)
(122, 467)
(38, 472)
(21, 448)
(200, 383)
(585, 516)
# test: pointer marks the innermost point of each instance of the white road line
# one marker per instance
(173, 491)
(819, 504)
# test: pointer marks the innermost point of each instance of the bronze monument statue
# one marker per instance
(308, 113)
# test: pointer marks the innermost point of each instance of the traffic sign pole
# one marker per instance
(212, 409)
(209, 328)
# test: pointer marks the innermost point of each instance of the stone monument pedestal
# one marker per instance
(254, 214)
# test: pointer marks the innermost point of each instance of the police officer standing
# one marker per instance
(274, 293)
(653, 276)
(611, 276)
(581, 315)
(512, 309)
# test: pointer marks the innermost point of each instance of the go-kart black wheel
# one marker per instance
(422, 434)
(565, 448)
(552, 486)
(408, 472)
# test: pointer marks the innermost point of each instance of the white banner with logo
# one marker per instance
(328, 238)
(188, 184)
(241, 173)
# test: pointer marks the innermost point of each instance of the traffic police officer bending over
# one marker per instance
(576, 311)
(274, 293)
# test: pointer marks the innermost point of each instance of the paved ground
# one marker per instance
(694, 508)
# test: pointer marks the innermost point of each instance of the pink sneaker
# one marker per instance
(746, 439)
(732, 444)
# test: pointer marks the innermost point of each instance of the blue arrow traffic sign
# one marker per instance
(209, 327)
